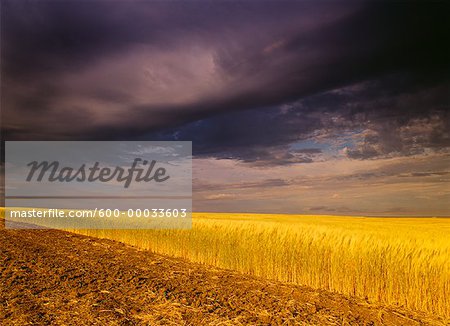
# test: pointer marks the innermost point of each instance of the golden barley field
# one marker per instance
(394, 261)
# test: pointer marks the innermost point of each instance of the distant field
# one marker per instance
(398, 261)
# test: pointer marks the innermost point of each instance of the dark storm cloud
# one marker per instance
(252, 136)
(366, 120)
(406, 124)
(41, 41)
(237, 78)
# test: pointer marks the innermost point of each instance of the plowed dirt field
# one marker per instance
(51, 277)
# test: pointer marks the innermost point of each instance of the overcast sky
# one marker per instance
(316, 107)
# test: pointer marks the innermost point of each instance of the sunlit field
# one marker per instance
(395, 261)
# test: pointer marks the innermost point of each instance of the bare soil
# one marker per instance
(51, 277)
